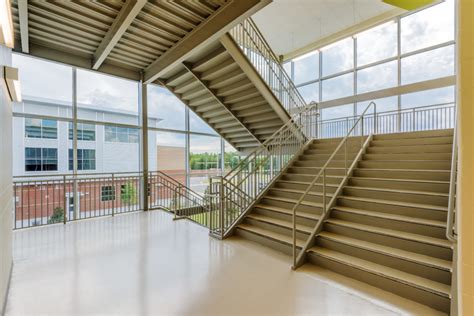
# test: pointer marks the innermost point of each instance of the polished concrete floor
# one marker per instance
(147, 264)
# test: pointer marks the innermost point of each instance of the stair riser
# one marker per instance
(265, 241)
(410, 149)
(289, 206)
(427, 298)
(434, 133)
(422, 165)
(394, 209)
(426, 230)
(285, 217)
(309, 179)
(276, 229)
(402, 197)
(419, 269)
(314, 171)
(419, 175)
(303, 187)
(332, 146)
(413, 141)
(297, 196)
(395, 242)
(420, 156)
(403, 185)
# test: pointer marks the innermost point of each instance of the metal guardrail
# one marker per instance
(341, 149)
(234, 193)
(248, 37)
(432, 117)
(50, 199)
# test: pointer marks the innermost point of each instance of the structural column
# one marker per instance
(144, 143)
(465, 192)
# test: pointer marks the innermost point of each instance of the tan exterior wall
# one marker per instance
(171, 158)
(465, 196)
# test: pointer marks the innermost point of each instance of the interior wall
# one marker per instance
(6, 193)
(465, 196)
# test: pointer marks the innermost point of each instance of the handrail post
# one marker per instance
(114, 194)
(221, 207)
(345, 158)
(413, 119)
(375, 118)
(324, 191)
(65, 200)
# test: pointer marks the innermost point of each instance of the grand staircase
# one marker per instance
(388, 225)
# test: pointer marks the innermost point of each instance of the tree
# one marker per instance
(57, 217)
(128, 193)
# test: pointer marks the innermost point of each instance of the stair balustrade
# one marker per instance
(233, 194)
(252, 43)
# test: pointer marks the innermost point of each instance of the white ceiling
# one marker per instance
(289, 25)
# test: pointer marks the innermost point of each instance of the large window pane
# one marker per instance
(164, 109)
(310, 92)
(106, 98)
(338, 87)
(430, 65)
(198, 125)
(377, 44)
(377, 77)
(338, 57)
(46, 87)
(231, 157)
(306, 68)
(337, 112)
(382, 105)
(428, 97)
(167, 153)
(204, 160)
(428, 27)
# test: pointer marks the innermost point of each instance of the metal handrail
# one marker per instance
(242, 186)
(323, 173)
(450, 227)
(264, 146)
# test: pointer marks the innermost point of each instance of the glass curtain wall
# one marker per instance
(410, 49)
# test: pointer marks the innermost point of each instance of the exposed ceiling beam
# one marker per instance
(80, 61)
(208, 31)
(23, 16)
(127, 14)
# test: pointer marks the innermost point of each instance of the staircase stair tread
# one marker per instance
(304, 202)
(405, 170)
(307, 183)
(287, 211)
(383, 271)
(390, 251)
(401, 180)
(313, 175)
(272, 235)
(393, 233)
(397, 190)
(399, 203)
(302, 191)
(389, 216)
(279, 222)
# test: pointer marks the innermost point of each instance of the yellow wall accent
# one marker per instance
(465, 192)
(409, 4)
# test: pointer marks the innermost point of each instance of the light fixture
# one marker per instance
(6, 24)
(12, 81)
